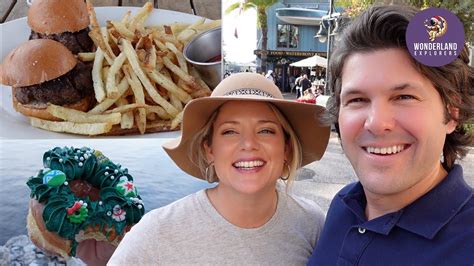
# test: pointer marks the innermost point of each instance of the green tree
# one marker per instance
(464, 9)
(261, 6)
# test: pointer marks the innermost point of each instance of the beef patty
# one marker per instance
(76, 42)
(66, 89)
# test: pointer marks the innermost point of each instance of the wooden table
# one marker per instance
(13, 9)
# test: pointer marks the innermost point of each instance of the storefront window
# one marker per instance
(287, 36)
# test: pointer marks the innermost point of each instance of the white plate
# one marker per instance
(16, 126)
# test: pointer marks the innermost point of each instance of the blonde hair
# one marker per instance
(294, 146)
(197, 154)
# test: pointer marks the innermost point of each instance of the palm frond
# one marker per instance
(232, 7)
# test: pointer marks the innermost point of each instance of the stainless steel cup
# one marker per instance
(204, 53)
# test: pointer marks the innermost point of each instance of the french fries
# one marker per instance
(72, 127)
(140, 77)
(133, 60)
(81, 117)
(86, 57)
(177, 120)
(111, 86)
(96, 75)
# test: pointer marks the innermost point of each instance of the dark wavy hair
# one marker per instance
(383, 27)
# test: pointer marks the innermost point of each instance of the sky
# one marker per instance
(239, 50)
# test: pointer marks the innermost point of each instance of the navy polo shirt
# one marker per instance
(436, 229)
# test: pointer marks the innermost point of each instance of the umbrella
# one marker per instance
(311, 62)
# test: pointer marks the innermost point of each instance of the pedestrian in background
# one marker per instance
(299, 87)
(292, 80)
(305, 83)
(269, 75)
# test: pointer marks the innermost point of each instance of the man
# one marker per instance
(299, 88)
(305, 83)
(269, 75)
(292, 81)
(396, 119)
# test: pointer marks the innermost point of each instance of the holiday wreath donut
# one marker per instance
(80, 195)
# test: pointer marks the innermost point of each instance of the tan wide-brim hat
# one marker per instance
(304, 118)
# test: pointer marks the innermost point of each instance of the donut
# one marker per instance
(79, 195)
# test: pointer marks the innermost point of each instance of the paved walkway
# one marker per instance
(289, 96)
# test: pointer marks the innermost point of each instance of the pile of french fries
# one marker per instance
(141, 78)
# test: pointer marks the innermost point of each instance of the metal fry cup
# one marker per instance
(204, 53)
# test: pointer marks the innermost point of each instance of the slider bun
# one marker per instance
(35, 62)
(58, 16)
(39, 110)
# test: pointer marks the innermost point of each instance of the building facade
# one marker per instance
(292, 26)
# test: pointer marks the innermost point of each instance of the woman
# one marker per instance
(245, 137)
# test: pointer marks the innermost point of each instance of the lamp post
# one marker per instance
(283, 62)
(326, 32)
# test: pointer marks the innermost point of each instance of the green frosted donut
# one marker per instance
(118, 205)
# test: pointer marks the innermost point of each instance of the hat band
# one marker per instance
(249, 91)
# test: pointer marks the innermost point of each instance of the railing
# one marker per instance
(9, 10)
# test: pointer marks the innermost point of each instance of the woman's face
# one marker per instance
(248, 147)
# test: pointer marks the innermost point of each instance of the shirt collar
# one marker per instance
(425, 216)
(428, 214)
(354, 199)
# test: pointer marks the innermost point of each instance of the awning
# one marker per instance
(300, 16)
(311, 62)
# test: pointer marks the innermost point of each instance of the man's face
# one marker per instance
(392, 123)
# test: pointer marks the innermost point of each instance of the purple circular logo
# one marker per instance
(435, 37)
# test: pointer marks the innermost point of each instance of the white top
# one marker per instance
(191, 231)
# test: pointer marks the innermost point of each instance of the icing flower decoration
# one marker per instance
(126, 187)
(78, 212)
(118, 214)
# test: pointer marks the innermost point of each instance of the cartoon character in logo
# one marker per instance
(437, 27)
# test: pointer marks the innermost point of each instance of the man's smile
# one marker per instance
(386, 150)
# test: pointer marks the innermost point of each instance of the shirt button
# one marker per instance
(361, 230)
